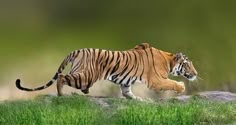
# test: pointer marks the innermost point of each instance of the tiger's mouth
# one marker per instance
(190, 77)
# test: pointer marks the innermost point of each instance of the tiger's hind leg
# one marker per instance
(60, 83)
(76, 80)
(127, 93)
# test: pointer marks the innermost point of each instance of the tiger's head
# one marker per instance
(181, 65)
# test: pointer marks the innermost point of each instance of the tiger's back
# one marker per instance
(121, 67)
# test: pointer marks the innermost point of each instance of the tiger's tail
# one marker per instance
(68, 59)
(18, 85)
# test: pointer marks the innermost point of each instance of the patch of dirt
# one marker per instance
(102, 101)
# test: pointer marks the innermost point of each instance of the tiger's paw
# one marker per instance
(180, 87)
(139, 98)
(149, 100)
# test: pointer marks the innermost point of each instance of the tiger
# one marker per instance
(143, 63)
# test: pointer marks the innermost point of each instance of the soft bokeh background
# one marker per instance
(35, 36)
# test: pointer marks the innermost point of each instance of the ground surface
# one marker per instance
(203, 108)
(212, 95)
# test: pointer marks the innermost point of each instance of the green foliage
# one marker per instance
(80, 110)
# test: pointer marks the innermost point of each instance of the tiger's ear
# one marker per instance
(142, 46)
(178, 57)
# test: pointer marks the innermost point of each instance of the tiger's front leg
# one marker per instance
(168, 84)
(127, 93)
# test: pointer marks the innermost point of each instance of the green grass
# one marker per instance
(80, 110)
(50, 110)
(170, 113)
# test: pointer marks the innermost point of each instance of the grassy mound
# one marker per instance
(83, 110)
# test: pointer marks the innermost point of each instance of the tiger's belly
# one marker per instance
(122, 80)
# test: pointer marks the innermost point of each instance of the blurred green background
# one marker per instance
(36, 35)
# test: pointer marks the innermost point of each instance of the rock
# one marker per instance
(102, 101)
(219, 96)
(211, 95)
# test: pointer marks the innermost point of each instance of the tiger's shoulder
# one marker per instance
(142, 46)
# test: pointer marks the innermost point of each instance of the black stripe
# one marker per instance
(94, 64)
(137, 64)
(107, 72)
(91, 74)
(110, 67)
(55, 77)
(78, 63)
(134, 81)
(79, 81)
(89, 80)
(126, 65)
(89, 51)
(104, 57)
(115, 81)
(67, 80)
(93, 59)
(76, 66)
(106, 62)
(143, 47)
(86, 91)
(91, 62)
(128, 71)
(141, 75)
(135, 57)
(126, 74)
(99, 53)
(85, 78)
(76, 55)
(83, 54)
(68, 57)
(94, 54)
(129, 55)
(181, 70)
(89, 83)
(153, 61)
(117, 64)
(75, 79)
(180, 66)
(126, 86)
(114, 77)
(73, 55)
(123, 71)
(112, 54)
(42, 87)
(147, 56)
(88, 58)
(127, 83)
(142, 64)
